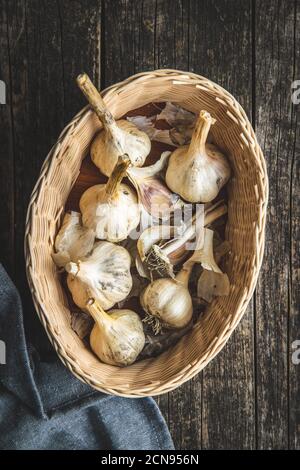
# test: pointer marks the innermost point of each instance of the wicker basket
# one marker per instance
(248, 193)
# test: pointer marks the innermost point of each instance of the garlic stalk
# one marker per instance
(117, 337)
(167, 302)
(197, 172)
(162, 259)
(104, 275)
(72, 241)
(153, 194)
(117, 137)
(111, 210)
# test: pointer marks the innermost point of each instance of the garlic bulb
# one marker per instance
(197, 172)
(116, 138)
(72, 241)
(117, 337)
(153, 194)
(167, 302)
(111, 210)
(104, 275)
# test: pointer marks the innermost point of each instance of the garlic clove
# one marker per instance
(153, 194)
(111, 210)
(212, 284)
(197, 172)
(141, 268)
(104, 275)
(205, 255)
(116, 138)
(117, 337)
(72, 241)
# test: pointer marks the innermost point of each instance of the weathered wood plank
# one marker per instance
(34, 55)
(80, 30)
(7, 155)
(275, 119)
(220, 48)
(294, 320)
(40, 86)
(129, 30)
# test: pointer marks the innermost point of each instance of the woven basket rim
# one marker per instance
(189, 372)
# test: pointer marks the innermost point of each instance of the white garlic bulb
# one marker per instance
(103, 275)
(111, 210)
(72, 241)
(167, 302)
(117, 337)
(197, 172)
(116, 138)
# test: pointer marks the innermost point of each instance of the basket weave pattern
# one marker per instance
(247, 193)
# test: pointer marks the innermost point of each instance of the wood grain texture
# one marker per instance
(220, 38)
(249, 395)
(7, 239)
(294, 214)
(276, 129)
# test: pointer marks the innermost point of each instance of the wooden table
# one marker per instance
(249, 396)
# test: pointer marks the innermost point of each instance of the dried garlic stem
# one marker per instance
(96, 101)
(114, 182)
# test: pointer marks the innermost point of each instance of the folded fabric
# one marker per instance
(43, 406)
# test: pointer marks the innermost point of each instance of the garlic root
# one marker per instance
(162, 259)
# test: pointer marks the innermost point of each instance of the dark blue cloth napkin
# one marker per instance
(43, 406)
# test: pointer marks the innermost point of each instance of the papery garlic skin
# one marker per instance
(110, 219)
(118, 338)
(154, 195)
(197, 172)
(126, 138)
(72, 241)
(104, 275)
(169, 301)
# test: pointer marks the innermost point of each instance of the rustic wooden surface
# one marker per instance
(249, 396)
